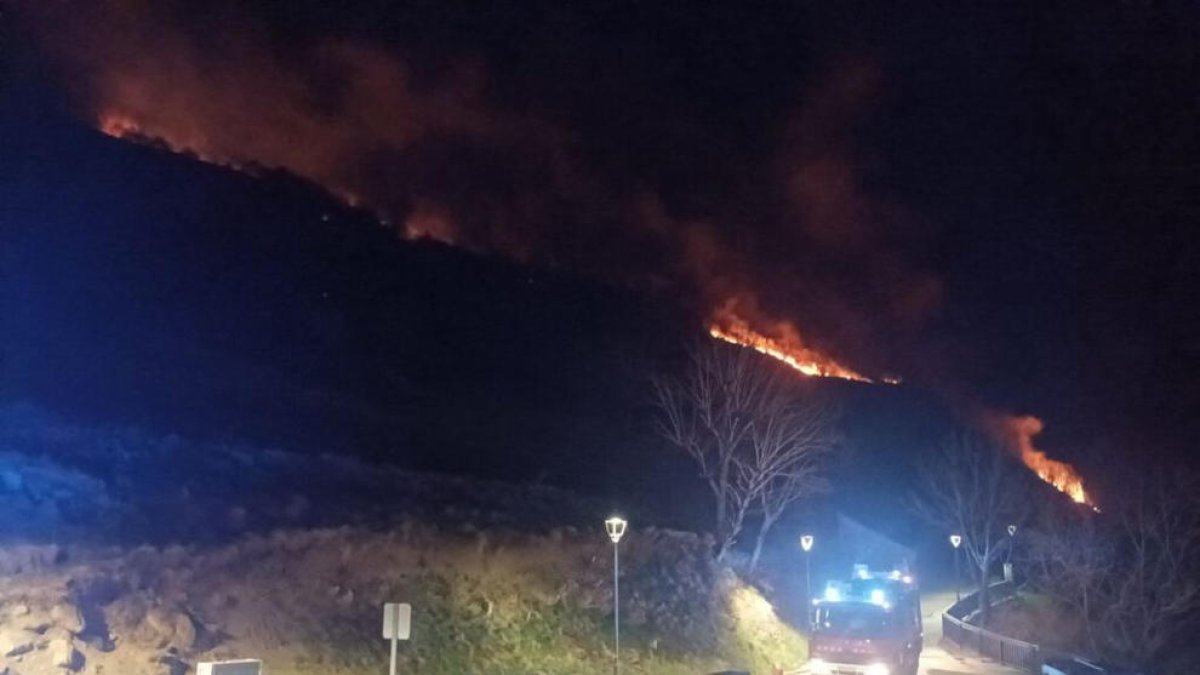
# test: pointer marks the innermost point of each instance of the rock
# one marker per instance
(157, 627)
(36, 622)
(170, 665)
(68, 616)
(185, 632)
(15, 642)
(164, 628)
(62, 653)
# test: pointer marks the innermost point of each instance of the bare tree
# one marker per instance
(788, 447)
(735, 414)
(1156, 585)
(974, 487)
(1130, 573)
(1071, 560)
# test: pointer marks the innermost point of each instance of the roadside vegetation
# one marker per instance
(309, 602)
(246, 553)
(1129, 576)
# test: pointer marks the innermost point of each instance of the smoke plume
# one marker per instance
(774, 230)
(800, 246)
(1018, 432)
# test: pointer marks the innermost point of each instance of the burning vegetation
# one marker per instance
(785, 344)
(430, 148)
(787, 347)
(778, 339)
(1018, 431)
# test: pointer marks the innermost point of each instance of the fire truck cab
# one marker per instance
(869, 625)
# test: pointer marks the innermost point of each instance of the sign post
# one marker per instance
(397, 624)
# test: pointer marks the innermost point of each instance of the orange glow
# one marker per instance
(426, 222)
(128, 128)
(1020, 430)
(785, 345)
(184, 123)
(118, 126)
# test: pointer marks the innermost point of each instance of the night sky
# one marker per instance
(999, 203)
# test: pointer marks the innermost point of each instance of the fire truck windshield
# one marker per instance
(854, 620)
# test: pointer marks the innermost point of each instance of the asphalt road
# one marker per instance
(937, 659)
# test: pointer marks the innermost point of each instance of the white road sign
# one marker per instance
(397, 620)
(243, 667)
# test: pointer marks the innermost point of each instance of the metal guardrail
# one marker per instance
(1008, 651)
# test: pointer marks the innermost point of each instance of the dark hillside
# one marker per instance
(148, 289)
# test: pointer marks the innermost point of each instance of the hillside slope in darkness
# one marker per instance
(147, 289)
(155, 297)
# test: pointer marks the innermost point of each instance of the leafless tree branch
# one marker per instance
(756, 442)
(974, 487)
(1132, 573)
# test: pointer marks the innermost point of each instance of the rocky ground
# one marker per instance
(309, 601)
(65, 482)
(127, 554)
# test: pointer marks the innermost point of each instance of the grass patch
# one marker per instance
(473, 626)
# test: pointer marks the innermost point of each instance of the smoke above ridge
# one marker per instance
(764, 212)
(775, 224)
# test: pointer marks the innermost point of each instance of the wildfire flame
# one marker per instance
(118, 126)
(786, 347)
(778, 339)
(1064, 478)
(127, 128)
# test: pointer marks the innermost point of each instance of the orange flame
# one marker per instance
(1064, 478)
(127, 128)
(118, 126)
(781, 341)
(426, 222)
(786, 346)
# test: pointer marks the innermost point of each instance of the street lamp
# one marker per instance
(615, 527)
(956, 541)
(806, 543)
(1012, 543)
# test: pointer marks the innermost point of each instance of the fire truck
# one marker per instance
(868, 625)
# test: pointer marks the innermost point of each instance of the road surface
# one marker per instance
(937, 659)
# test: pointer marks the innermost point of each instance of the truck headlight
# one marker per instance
(878, 669)
(818, 667)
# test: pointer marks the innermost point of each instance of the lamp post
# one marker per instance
(955, 541)
(1012, 543)
(615, 527)
(806, 543)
